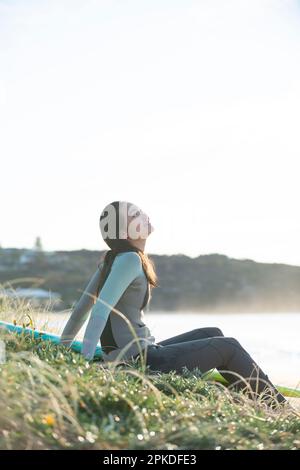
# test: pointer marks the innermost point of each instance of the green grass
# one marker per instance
(51, 398)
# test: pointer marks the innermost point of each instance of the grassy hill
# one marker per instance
(51, 398)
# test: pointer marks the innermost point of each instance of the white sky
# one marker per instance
(189, 109)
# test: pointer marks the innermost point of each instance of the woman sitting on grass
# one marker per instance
(122, 283)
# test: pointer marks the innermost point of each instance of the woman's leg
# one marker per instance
(224, 353)
(198, 333)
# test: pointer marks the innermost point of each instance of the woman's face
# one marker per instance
(139, 221)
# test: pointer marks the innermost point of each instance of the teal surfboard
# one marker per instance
(213, 374)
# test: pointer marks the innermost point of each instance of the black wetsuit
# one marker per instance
(206, 349)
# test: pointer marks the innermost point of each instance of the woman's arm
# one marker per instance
(125, 268)
(81, 310)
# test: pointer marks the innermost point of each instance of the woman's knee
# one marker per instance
(235, 344)
(218, 332)
(231, 339)
(226, 343)
(210, 331)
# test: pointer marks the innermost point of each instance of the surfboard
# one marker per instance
(76, 346)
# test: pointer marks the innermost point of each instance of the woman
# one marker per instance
(124, 279)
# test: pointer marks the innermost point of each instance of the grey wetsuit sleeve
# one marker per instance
(81, 309)
(125, 268)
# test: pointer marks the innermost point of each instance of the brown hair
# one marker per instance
(119, 245)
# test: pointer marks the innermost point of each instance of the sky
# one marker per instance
(189, 109)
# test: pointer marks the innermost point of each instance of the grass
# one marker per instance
(51, 398)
